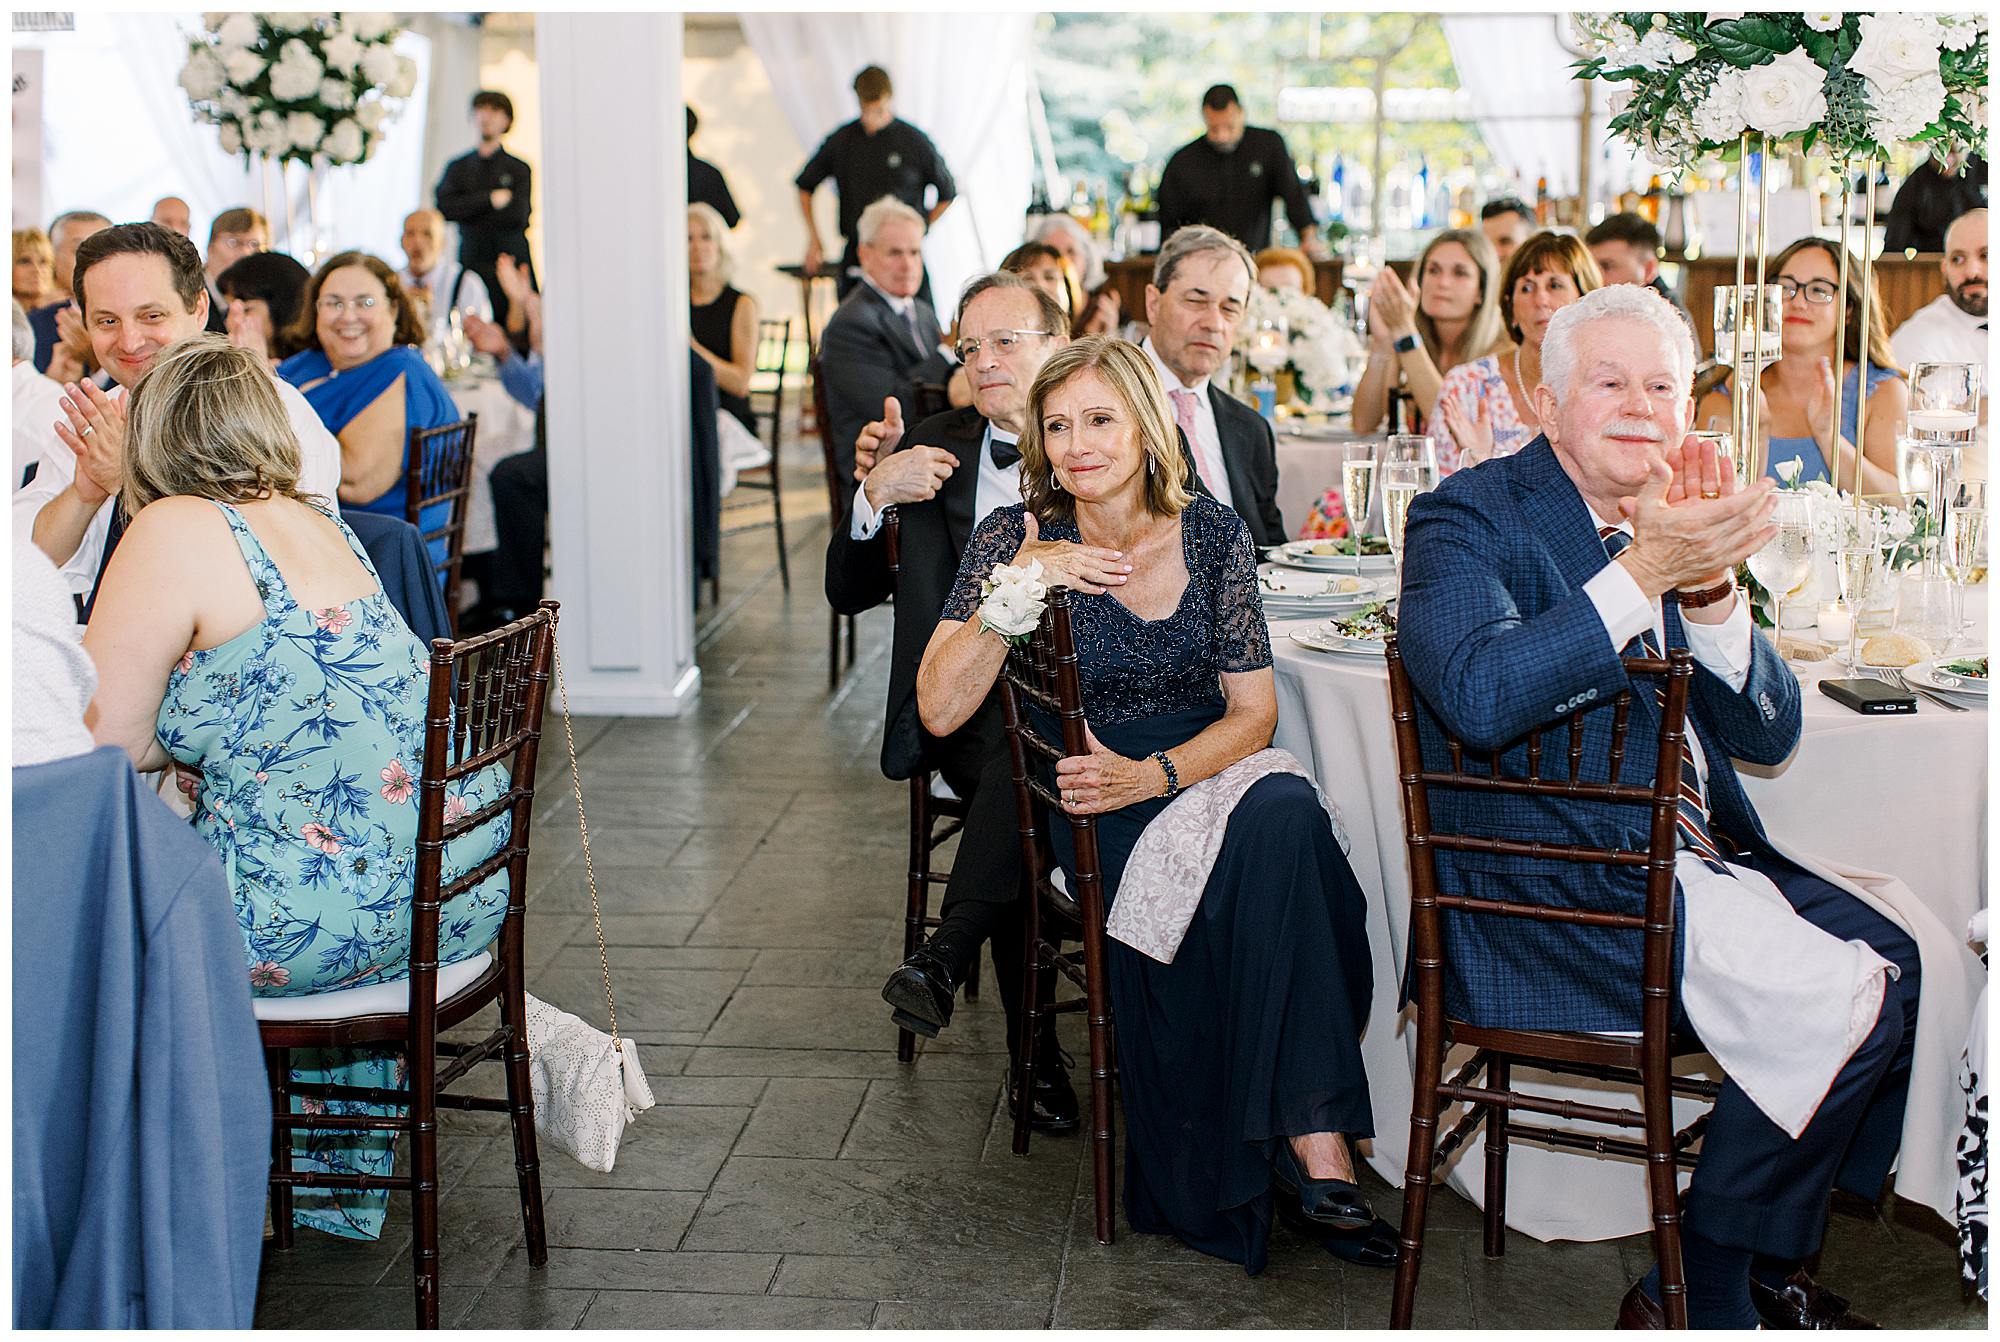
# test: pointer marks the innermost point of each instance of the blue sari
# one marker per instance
(343, 395)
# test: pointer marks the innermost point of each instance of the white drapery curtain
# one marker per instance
(118, 134)
(960, 78)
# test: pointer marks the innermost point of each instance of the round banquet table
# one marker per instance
(1905, 795)
(1308, 466)
(506, 427)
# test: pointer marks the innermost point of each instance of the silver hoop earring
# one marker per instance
(1152, 466)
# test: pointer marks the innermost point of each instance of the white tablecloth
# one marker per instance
(1902, 795)
(1308, 466)
(506, 427)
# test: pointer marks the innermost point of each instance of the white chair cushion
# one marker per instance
(377, 999)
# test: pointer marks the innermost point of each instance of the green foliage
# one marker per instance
(1751, 40)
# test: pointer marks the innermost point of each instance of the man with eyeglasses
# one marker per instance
(140, 289)
(1200, 289)
(962, 465)
(235, 234)
(883, 341)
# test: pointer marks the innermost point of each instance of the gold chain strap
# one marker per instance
(583, 828)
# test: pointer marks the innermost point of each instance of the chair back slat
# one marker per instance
(774, 355)
(834, 494)
(1043, 671)
(438, 469)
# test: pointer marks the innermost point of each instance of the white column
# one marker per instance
(615, 242)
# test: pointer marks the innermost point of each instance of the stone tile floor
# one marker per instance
(750, 860)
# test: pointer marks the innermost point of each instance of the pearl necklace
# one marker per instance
(1522, 383)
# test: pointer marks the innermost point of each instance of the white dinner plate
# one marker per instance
(1295, 585)
(1320, 639)
(1930, 675)
(1298, 554)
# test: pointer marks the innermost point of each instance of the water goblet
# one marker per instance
(1784, 565)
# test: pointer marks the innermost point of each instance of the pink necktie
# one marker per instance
(1184, 416)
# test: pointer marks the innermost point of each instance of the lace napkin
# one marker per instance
(1170, 865)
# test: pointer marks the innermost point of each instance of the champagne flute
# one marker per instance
(1964, 545)
(1357, 480)
(1402, 481)
(1784, 565)
(1854, 565)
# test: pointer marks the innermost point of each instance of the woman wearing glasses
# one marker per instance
(1797, 390)
(361, 366)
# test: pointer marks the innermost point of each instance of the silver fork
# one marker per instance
(1932, 695)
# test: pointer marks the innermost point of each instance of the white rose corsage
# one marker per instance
(1012, 600)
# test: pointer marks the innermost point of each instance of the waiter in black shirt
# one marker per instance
(873, 156)
(706, 184)
(1229, 177)
(1936, 192)
(486, 194)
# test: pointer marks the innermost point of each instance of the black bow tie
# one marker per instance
(1003, 454)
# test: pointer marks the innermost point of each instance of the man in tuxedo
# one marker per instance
(1200, 289)
(883, 340)
(1524, 582)
(961, 466)
(236, 233)
(486, 192)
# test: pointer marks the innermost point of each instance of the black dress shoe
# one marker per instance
(921, 991)
(1639, 1310)
(1334, 1203)
(1052, 1100)
(1803, 1303)
(1376, 1246)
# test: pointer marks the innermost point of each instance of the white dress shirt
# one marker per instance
(319, 473)
(1943, 332)
(37, 407)
(473, 300)
(1208, 439)
(54, 678)
(1763, 987)
(997, 487)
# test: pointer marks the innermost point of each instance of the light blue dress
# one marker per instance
(1805, 449)
(307, 730)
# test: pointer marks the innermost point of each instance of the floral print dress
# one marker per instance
(307, 731)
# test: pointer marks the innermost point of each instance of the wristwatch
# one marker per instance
(1405, 343)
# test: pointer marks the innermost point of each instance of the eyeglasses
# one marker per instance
(1004, 343)
(336, 306)
(1816, 291)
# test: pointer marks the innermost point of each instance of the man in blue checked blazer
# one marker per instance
(1525, 580)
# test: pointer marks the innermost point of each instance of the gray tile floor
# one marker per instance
(750, 861)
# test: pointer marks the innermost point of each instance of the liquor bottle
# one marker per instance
(1655, 197)
(1420, 195)
(1100, 217)
(1543, 214)
(1336, 190)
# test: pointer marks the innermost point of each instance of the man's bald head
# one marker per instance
(1964, 262)
(423, 239)
(172, 212)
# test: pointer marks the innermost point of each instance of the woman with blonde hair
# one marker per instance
(1239, 1056)
(1416, 339)
(34, 269)
(723, 318)
(1484, 407)
(242, 636)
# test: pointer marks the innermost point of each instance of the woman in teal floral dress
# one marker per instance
(241, 634)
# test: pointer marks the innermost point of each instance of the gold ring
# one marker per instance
(1711, 493)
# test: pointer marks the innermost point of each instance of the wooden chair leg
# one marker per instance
(917, 896)
(424, 1176)
(278, 1069)
(778, 525)
(1031, 1010)
(1498, 1077)
(1662, 1186)
(1097, 1014)
(853, 640)
(833, 652)
(1417, 1167)
(521, 1115)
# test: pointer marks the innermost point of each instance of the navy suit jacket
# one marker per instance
(1499, 639)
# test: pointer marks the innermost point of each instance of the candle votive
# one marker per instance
(1836, 623)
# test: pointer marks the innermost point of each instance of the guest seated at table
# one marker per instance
(1523, 582)
(513, 582)
(1102, 313)
(1415, 339)
(1797, 390)
(1047, 269)
(361, 365)
(435, 282)
(1286, 268)
(724, 317)
(1485, 407)
(1951, 328)
(1073, 240)
(264, 291)
(1626, 248)
(62, 346)
(242, 636)
(1200, 290)
(883, 341)
(1239, 1061)
(141, 287)
(1507, 223)
(34, 269)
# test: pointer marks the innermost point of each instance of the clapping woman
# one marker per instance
(1239, 1061)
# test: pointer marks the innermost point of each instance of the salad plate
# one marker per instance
(1368, 555)
(1954, 675)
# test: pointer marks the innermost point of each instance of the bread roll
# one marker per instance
(1894, 650)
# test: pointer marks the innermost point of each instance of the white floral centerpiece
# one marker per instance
(298, 87)
(1849, 85)
(1318, 344)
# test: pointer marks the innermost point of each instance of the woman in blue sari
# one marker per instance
(361, 366)
(1798, 389)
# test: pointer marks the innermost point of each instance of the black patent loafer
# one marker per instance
(1052, 1100)
(1376, 1246)
(1333, 1203)
(1803, 1303)
(921, 991)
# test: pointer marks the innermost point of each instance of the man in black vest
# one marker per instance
(1230, 177)
(485, 192)
(963, 465)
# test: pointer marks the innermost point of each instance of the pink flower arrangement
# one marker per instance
(397, 785)
(332, 620)
(320, 837)
(269, 974)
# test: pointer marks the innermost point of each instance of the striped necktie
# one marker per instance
(1693, 808)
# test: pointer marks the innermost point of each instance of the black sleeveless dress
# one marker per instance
(1252, 1034)
(711, 323)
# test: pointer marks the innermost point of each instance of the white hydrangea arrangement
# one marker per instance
(1319, 344)
(301, 87)
(1849, 85)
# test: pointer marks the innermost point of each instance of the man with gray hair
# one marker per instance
(1200, 290)
(36, 403)
(57, 325)
(1526, 580)
(883, 341)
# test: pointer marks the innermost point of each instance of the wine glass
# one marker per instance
(1784, 565)
(1854, 564)
(1944, 412)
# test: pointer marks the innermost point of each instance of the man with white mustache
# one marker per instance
(1525, 582)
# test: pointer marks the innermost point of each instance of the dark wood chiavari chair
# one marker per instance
(836, 500)
(774, 351)
(1042, 672)
(438, 470)
(486, 700)
(1645, 1061)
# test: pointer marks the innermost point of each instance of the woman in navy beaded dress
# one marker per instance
(1239, 1061)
